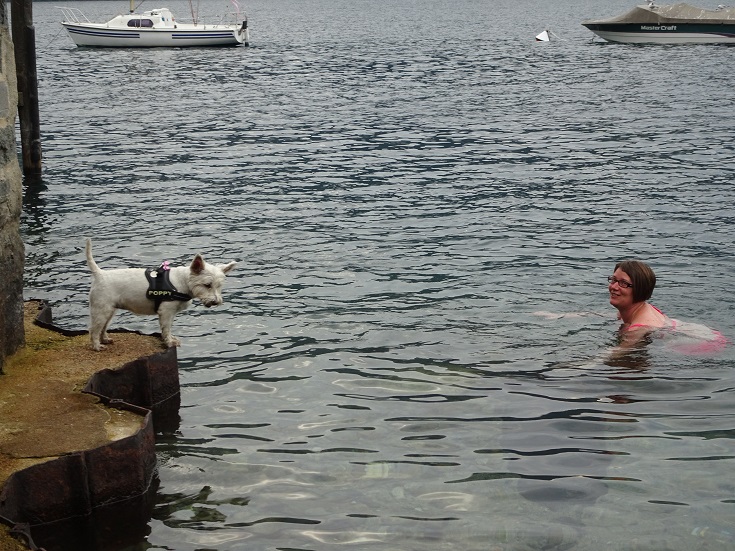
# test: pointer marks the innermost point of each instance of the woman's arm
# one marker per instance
(556, 316)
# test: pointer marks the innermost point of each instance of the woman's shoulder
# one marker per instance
(656, 309)
(649, 317)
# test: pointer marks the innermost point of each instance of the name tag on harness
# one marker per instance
(160, 288)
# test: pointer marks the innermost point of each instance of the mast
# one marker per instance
(193, 14)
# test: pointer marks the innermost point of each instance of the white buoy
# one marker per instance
(543, 37)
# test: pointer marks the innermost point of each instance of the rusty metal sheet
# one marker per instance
(95, 498)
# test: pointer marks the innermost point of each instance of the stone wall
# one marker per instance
(12, 254)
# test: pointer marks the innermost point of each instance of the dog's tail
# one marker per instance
(90, 261)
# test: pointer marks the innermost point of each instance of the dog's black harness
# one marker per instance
(160, 288)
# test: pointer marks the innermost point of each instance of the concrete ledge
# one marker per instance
(77, 439)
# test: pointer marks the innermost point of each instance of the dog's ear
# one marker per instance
(197, 265)
(227, 268)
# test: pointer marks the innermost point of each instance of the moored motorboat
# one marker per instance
(668, 24)
(151, 29)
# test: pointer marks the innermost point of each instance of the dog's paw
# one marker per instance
(98, 347)
(171, 342)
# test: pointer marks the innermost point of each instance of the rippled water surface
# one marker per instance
(404, 184)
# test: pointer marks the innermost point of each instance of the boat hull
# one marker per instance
(100, 35)
(646, 33)
(668, 24)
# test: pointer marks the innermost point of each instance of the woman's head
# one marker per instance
(641, 276)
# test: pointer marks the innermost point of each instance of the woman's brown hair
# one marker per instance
(641, 276)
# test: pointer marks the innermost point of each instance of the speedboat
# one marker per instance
(151, 29)
(668, 24)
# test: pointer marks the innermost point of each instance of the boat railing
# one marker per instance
(214, 21)
(73, 15)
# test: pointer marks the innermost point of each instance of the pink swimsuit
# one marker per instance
(673, 321)
(691, 338)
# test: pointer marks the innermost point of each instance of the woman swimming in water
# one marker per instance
(630, 287)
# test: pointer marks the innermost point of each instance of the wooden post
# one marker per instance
(24, 43)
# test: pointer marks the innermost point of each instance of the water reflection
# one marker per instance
(193, 511)
(35, 215)
(632, 360)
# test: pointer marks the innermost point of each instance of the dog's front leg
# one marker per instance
(165, 319)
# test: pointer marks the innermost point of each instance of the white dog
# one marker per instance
(163, 291)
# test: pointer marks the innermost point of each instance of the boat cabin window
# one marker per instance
(140, 23)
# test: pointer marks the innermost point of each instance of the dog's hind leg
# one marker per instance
(99, 322)
(104, 337)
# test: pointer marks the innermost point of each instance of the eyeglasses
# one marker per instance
(621, 282)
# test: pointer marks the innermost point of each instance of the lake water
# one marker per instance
(404, 184)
